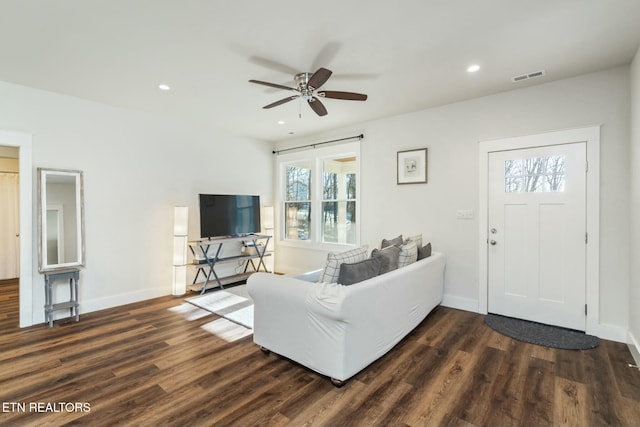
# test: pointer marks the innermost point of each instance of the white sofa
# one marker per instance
(338, 330)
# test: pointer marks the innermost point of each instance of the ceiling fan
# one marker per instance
(308, 85)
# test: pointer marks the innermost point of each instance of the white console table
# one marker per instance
(203, 259)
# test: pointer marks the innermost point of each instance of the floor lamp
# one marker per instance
(180, 236)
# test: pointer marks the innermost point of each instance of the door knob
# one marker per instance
(493, 242)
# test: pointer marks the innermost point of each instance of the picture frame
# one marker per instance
(412, 166)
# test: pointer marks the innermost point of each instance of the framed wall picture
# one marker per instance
(412, 166)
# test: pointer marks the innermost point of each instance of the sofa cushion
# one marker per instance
(425, 251)
(351, 273)
(408, 254)
(417, 239)
(332, 267)
(395, 241)
(390, 258)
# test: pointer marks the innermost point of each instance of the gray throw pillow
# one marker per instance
(390, 257)
(396, 241)
(359, 271)
(425, 251)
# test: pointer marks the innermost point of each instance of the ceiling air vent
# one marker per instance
(528, 76)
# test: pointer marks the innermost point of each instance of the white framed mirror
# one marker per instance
(60, 219)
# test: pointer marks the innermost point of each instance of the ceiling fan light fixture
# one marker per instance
(307, 85)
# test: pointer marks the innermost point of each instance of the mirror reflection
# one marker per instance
(60, 216)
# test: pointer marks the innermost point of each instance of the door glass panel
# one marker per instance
(535, 175)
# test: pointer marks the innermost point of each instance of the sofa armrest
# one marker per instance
(311, 276)
(279, 310)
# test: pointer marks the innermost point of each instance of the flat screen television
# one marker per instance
(229, 215)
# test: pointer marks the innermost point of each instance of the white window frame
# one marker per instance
(316, 157)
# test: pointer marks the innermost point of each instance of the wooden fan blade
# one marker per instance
(282, 101)
(277, 86)
(319, 78)
(350, 96)
(317, 106)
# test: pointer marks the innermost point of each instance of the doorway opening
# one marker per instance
(23, 143)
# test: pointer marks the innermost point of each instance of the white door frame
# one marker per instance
(24, 143)
(590, 135)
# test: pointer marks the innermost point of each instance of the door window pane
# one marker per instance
(535, 175)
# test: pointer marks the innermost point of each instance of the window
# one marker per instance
(339, 200)
(319, 191)
(297, 201)
(535, 175)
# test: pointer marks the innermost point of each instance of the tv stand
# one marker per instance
(204, 260)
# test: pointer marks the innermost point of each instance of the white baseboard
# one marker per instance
(108, 302)
(604, 331)
(466, 304)
(634, 348)
(609, 332)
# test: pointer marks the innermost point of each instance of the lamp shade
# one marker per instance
(179, 250)
(267, 217)
(180, 233)
(181, 221)
(179, 280)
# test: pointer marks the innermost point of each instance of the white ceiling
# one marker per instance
(407, 55)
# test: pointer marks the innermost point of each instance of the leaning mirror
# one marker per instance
(60, 219)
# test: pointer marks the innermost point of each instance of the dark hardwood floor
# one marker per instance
(156, 363)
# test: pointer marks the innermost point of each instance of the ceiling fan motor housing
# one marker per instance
(302, 80)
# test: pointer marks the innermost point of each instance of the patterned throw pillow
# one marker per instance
(417, 239)
(332, 268)
(408, 254)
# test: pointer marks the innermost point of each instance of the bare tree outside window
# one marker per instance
(535, 175)
(297, 205)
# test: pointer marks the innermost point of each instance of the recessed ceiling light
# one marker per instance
(163, 86)
(280, 122)
(473, 68)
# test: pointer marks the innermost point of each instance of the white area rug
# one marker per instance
(233, 307)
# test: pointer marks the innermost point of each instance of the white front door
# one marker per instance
(537, 234)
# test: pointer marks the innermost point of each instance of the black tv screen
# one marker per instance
(229, 215)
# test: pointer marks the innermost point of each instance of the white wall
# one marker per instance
(451, 134)
(136, 168)
(634, 291)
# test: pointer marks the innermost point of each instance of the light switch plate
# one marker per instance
(464, 214)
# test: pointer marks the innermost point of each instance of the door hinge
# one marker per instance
(586, 166)
(586, 238)
(585, 309)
